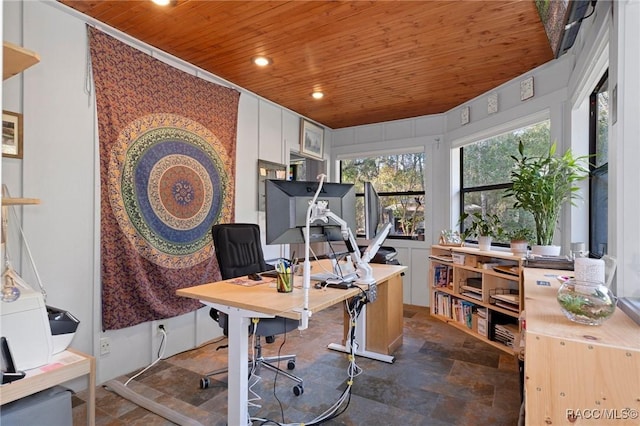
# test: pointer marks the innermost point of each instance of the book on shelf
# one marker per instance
(509, 298)
(509, 306)
(549, 262)
(442, 304)
(442, 257)
(471, 289)
(472, 294)
(440, 276)
(505, 333)
(507, 269)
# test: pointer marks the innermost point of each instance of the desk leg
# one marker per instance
(361, 338)
(238, 354)
(91, 399)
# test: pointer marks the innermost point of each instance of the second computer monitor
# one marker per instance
(372, 211)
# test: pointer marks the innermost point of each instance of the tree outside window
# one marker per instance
(399, 181)
(485, 168)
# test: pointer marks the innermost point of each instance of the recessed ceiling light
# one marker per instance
(162, 2)
(262, 61)
(317, 95)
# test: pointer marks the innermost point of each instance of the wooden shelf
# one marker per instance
(11, 201)
(459, 273)
(17, 59)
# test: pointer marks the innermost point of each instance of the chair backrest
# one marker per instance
(238, 249)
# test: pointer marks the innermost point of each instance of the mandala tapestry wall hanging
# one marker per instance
(167, 167)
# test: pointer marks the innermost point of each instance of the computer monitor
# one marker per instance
(372, 211)
(286, 210)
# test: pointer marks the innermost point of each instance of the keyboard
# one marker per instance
(324, 276)
(340, 285)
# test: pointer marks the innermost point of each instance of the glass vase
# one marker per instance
(586, 302)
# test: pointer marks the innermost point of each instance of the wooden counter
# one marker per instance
(577, 374)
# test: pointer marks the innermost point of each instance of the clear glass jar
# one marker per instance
(586, 302)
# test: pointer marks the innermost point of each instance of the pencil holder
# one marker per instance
(285, 282)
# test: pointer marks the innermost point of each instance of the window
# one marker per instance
(599, 179)
(485, 168)
(399, 181)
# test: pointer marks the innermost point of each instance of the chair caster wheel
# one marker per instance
(204, 383)
(270, 339)
(291, 364)
(298, 390)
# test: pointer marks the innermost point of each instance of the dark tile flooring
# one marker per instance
(441, 376)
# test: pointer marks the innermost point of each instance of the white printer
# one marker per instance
(25, 324)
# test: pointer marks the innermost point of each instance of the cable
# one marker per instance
(284, 340)
(160, 355)
(353, 307)
(252, 373)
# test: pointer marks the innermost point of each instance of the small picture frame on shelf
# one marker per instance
(11, 134)
(449, 237)
(311, 139)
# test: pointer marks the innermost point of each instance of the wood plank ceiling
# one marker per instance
(374, 60)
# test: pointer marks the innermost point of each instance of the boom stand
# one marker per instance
(319, 211)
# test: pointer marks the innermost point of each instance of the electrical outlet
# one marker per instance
(161, 327)
(105, 345)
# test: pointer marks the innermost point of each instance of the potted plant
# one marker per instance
(520, 239)
(485, 227)
(542, 184)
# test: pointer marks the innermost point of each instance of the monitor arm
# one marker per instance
(319, 211)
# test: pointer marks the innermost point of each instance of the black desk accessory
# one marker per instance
(9, 373)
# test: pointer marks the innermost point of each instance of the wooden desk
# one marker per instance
(577, 374)
(263, 301)
(64, 366)
(379, 328)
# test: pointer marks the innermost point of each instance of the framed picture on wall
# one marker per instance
(311, 139)
(11, 134)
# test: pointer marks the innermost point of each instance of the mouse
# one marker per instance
(254, 277)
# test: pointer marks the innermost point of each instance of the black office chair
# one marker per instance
(239, 252)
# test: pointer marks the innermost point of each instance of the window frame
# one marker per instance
(382, 194)
(594, 171)
(514, 126)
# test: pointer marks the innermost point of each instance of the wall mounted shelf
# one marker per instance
(19, 201)
(16, 59)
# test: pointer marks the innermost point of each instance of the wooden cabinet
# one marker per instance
(577, 374)
(478, 292)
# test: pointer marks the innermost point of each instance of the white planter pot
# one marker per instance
(546, 250)
(484, 243)
(519, 248)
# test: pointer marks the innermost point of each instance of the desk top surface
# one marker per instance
(264, 297)
(545, 318)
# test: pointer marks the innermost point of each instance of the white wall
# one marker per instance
(60, 164)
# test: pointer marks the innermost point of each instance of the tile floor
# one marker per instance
(441, 376)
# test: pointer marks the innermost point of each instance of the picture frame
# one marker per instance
(11, 134)
(311, 139)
